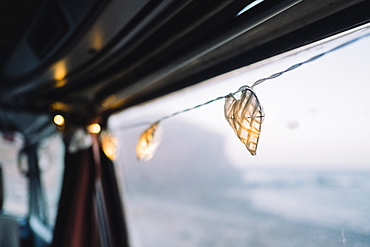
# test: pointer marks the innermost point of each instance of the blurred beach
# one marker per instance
(190, 194)
(270, 208)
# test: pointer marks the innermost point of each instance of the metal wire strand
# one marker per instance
(314, 58)
(256, 83)
(192, 108)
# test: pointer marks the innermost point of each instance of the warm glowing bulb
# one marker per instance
(94, 128)
(60, 70)
(59, 120)
(245, 115)
(109, 145)
(149, 142)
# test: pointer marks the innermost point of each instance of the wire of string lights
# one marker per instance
(242, 110)
(256, 83)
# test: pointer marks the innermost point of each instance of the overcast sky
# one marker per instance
(316, 116)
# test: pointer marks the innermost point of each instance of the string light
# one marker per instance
(94, 128)
(59, 120)
(242, 110)
(149, 142)
(109, 145)
(245, 115)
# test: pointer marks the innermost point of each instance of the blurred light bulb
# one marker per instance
(59, 120)
(60, 71)
(94, 128)
(109, 145)
(149, 142)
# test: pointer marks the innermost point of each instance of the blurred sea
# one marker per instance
(190, 194)
(270, 207)
(336, 199)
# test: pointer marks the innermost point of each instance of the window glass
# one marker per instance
(51, 163)
(308, 184)
(15, 184)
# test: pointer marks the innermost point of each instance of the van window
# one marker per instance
(14, 167)
(308, 184)
(14, 183)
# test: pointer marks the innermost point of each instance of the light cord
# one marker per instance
(256, 83)
(314, 58)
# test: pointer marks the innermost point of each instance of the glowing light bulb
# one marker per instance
(245, 115)
(59, 120)
(149, 142)
(94, 128)
(60, 71)
(109, 145)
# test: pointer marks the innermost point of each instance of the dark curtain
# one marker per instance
(74, 225)
(90, 208)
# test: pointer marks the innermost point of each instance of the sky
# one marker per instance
(315, 116)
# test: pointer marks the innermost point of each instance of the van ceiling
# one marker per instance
(89, 59)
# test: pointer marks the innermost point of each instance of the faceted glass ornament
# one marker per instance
(245, 115)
